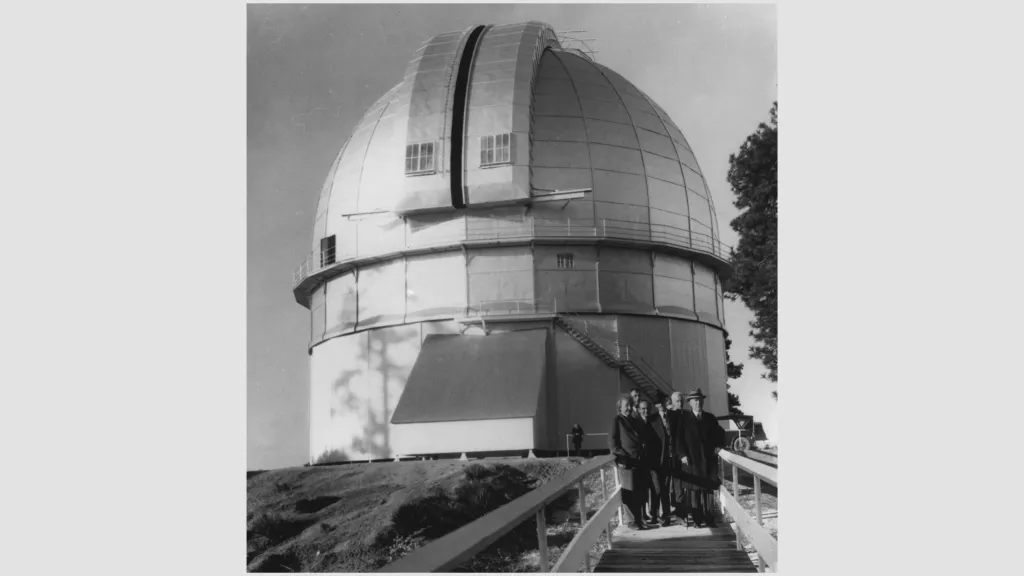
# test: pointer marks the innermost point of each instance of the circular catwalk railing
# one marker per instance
(526, 228)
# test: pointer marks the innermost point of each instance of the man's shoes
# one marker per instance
(637, 526)
(666, 523)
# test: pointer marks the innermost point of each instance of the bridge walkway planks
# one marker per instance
(676, 549)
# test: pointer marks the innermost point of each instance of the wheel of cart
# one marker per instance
(741, 444)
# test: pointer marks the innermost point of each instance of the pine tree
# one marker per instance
(753, 175)
(732, 372)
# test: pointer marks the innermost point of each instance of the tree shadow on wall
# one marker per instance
(373, 359)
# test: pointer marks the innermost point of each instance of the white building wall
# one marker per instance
(466, 436)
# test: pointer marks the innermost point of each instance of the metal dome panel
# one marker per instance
(563, 123)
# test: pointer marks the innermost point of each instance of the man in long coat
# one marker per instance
(626, 441)
(702, 438)
(675, 413)
(662, 428)
(577, 437)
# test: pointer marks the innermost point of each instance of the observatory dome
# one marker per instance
(538, 121)
(520, 230)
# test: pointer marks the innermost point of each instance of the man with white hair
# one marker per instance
(676, 401)
(626, 440)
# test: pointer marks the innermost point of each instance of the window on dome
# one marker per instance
(496, 149)
(419, 158)
(566, 261)
(327, 251)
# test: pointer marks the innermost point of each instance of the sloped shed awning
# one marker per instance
(459, 378)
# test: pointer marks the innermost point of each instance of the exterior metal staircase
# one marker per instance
(622, 357)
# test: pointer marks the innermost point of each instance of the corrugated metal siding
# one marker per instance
(689, 357)
(341, 305)
(391, 354)
(318, 315)
(573, 288)
(501, 275)
(717, 402)
(626, 281)
(381, 290)
(673, 285)
(339, 393)
(649, 336)
(436, 286)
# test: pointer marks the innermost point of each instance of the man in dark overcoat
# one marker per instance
(675, 413)
(702, 438)
(577, 437)
(626, 442)
(663, 453)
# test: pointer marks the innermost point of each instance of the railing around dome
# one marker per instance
(526, 228)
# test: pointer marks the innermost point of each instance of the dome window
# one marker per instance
(565, 261)
(327, 251)
(419, 158)
(496, 149)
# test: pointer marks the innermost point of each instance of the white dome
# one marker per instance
(571, 125)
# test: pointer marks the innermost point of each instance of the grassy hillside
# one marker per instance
(359, 517)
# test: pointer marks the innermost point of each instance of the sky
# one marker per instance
(312, 71)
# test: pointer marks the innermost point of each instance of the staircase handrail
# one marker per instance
(624, 354)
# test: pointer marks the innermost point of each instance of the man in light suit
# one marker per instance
(626, 442)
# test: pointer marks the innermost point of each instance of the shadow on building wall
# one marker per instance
(383, 378)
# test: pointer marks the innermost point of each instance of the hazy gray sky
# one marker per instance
(313, 70)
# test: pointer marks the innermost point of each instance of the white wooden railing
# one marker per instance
(454, 549)
(762, 540)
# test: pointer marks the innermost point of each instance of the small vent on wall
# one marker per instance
(566, 261)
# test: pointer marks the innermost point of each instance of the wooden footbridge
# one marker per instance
(666, 549)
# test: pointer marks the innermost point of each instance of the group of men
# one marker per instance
(667, 453)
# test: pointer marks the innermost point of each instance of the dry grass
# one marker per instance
(360, 517)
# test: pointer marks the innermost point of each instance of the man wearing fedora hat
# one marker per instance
(702, 437)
